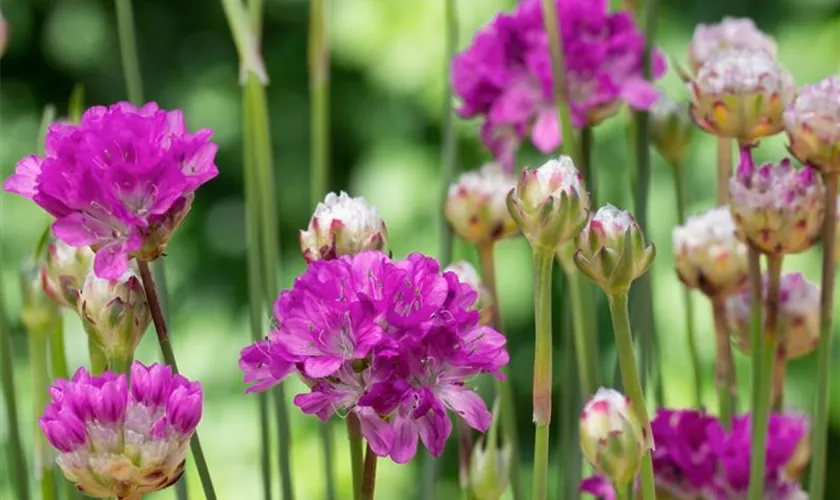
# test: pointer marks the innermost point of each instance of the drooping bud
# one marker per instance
(115, 315)
(611, 437)
(342, 225)
(813, 125)
(741, 95)
(708, 255)
(64, 272)
(799, 315)
(467, 274)
(740, 33)
(490, 464)
(671, 129)
(777, 208)
(38, 312)
(475, 206)
(550, 203)
(612, 250)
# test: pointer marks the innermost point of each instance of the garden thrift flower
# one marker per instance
(467, 275)
(799, 315)
(115, 315)
(122, 439)
(550, 204)
(708, 255)
(671, 129)
(475, 206)
(777, 208)
(120, 182)
(741, 95)
(64, 272)
(343, 225)
(813, 125)
(393, 342)
(739, 33)
(612, 250)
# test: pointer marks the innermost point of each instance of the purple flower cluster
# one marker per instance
(391, 342)
(697, 458)
(505, 76)
(121, 181)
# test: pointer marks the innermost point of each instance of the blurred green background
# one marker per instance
(387, 88)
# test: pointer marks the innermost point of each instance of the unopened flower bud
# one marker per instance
(671, 129)
(64, 272)
(709, 40)
(550, 204)
(611, 437)
(709, 257)
(490, 466)
(813, 125)
(342, 225)
(38, 312)
(467, 274)
(741, 95)
(115, 314)
(475, 206)
(799, 316)
(777, 208)
(612, 250)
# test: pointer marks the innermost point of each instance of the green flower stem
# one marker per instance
(585, 342)
(465, 447)
(725, 379)
(369, 475)
(631, 381)
(128, 51)
(569, 454)
(58, 356)
(38, 341)
(169, 358)
(779, 373)
(354, 434)
(760, 387)
(623, 492)
(819, 434)
(319, 86)
(505, 389)
(543, 262)
(724, 164)
(98, 363)
(587, 166)
(16, 458)
(121, 364)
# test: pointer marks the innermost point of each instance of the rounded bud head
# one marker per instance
(671, 129)
(777, 209)
(115, 313)
(64, 271)
(709, 257)
(467, 274)
(741, 95)
(812, 122)
(611, 249)
(799, 316)
(342, 225)
(38, 311)
(611, 437)
(489, 470)
(550, 203)
(740, 33)
(476, 205)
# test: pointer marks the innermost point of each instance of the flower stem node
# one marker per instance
(64, 272)
(611, 437)
(612, 250)
(671, 129)
(475, 205)
(342, 225)
(813, 125)
(550, 204)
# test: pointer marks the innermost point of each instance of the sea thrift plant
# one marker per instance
(475, 206)
(799, 315)
(121, 181)
(777, 208)
(395, 343)
(122, 439)
(738, 33)
(342, 225)
(812, 122)
(505, 76)
(64, 271)
(708, 255)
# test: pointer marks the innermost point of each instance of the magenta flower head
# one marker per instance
(64, 271)
(777, 208)
(120, 182)
(741, 94)
(738, 33)
(813, 125)
(799, 315)
(342, 225)
(505, 76)
(475, 205)
(122, 439)
(393, 342)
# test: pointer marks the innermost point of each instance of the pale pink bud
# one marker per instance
(813, 125)
(476, 208)
(343, 225)
(740, 33)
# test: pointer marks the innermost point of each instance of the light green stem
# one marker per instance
(121, 363)
(128, 51)
(58, 356)
(319, 81)
(585, 342)
(631, 380)
(543, 262)
(354, 434)
(98, 363)
(819, 434)
(38, 341)
(623, 492)
(725, 380)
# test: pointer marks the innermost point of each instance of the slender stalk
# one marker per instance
(465, 447)
(58, 356)
(354, 434)
(587, 361)
(98, 363)
(725, 379)
(779, 373)
(128, 51)
(319, 81)
(819, 434)
(169, 358)
(38, 341)
(587, 166)
(631, 380)
(757, 433)
(569, 454)
(543, 262)
(724, 164)
(15, 456)
(623, 492)
(369, 475)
